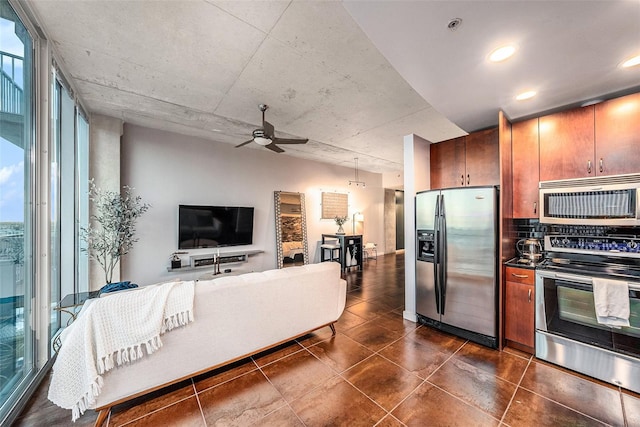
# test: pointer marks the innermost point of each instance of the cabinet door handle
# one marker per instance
(529, 295)
(601, 165)
(535, 207)
(520, 276)
(588, 166)
(462, 180)
(468, 179)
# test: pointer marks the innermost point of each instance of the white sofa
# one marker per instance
(235, 316)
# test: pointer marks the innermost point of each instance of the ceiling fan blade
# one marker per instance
(289, 141)
(275, 148)
(268, 129)
(244, 143)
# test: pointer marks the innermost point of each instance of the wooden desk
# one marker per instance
(351, 249)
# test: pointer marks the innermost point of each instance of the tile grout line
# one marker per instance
(230, 379)
(463, 401)
(340, 374)
(366, 395)
(193, 384)
(426, 379)
(129, 421)
(453, 395)
(564, 406)
(374, 353)
(515, 391)
(286, 402)
(624, 411)
(448, 358)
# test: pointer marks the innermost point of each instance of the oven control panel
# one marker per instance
(614, 245)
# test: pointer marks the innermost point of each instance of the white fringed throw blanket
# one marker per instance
(112, 331)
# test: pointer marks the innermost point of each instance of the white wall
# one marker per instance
(168, 169)
(394, 180)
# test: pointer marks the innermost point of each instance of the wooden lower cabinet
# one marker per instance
(519, 308)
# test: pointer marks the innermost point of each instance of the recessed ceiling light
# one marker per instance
(526, 95)
(502, 53)
(631, 62)
(454, 24)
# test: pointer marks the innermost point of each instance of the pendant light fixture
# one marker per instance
(357, 182)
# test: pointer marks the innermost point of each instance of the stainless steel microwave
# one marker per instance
(606, 200)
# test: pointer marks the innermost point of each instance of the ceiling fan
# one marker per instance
(266, 137)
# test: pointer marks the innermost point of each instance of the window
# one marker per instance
(69, 156)
(17, 367)
(61, 187)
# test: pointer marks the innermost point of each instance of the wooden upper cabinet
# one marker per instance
(618, 135)
(567, 148)
(482, 158)
(447, 163)
(470, 160)
(525, 159)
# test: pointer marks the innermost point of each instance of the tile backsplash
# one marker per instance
(525, 228)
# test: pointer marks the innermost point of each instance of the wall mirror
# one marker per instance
(291, 229)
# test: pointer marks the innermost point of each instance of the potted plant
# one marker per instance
(339, 221)
(111, 234)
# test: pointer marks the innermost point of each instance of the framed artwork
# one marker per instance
(334, 204)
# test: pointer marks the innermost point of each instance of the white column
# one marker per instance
(417, 159)
(104, 169)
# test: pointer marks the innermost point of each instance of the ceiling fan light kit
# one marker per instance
(266, 137)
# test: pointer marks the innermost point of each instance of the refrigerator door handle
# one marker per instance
(443, 255)
(436, 254)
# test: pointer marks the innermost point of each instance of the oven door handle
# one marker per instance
(633, 286)
(588, 281)
(574, 278)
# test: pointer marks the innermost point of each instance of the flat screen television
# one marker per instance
(214, 226)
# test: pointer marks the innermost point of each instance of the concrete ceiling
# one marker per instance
(354, 77)
(567, 51)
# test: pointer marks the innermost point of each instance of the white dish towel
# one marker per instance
(611, 298)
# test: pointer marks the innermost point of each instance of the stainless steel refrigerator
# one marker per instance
(457, 261)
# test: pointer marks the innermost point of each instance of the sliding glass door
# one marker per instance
(17, 213)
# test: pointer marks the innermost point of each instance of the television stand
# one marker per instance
(206, 260)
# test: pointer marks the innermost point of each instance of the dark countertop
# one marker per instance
(513, 262)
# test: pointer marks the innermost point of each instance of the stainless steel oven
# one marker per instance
(567, 330)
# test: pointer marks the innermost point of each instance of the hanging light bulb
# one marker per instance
(357, 182)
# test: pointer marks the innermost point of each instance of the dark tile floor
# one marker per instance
(378, 370)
